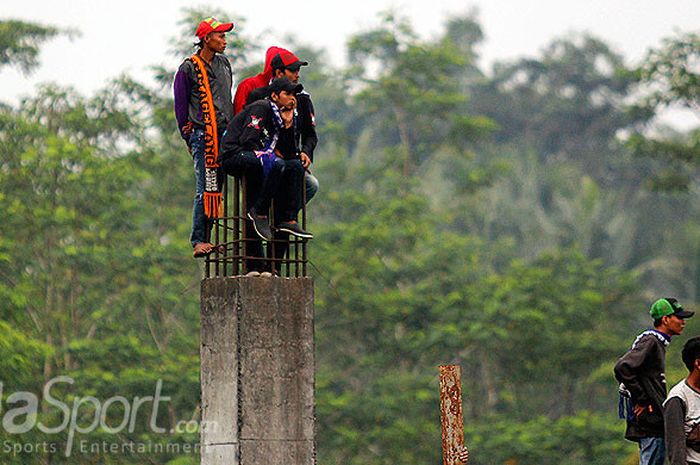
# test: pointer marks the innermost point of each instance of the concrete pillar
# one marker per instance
(257, 355)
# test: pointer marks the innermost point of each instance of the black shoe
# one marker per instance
(294, 229)
(261, 225)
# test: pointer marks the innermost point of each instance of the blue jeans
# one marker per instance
(200, 224)
(651, 451)
(310, 185)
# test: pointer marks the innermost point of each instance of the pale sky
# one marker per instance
(129, 35)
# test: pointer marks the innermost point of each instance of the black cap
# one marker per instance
(287, 60)
(296, 65)
(283, 83)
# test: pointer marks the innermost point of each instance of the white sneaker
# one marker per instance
(266, 274)
(252, 274)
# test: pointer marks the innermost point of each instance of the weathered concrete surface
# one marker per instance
(257, 371)
(220, 454)
(219, 362)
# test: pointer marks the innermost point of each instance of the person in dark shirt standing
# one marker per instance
(203, 109)
(682, 411)
(641, 372)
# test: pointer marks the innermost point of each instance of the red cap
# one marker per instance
(212, 25)
(286, 59)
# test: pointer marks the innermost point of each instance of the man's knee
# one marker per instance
(297, 165)
(311, 185)
(294, 168)
(241, 163)
(279, 164)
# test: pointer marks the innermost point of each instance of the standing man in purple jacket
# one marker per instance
(203, 109)
(641, 372)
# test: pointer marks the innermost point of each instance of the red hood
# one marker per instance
(269, 55)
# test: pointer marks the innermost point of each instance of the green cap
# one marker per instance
(668, 306)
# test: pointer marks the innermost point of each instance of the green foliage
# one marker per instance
(20, 41)
(566, 104)
(487, 219)
(92, 253)
(671, 68)
(414, 99)
(678, 156)
(583, 438)
(669, 78)
(237, 44)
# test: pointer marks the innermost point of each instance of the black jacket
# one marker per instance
(250, 130)
(306, 138)
(307, 124)
(642, 371)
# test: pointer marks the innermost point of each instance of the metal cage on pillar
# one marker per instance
(234, 237)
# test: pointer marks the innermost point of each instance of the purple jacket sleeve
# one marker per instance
(182, 88)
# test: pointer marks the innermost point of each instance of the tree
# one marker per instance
(414, 98)
(670, 79)
(20, 41)
(102, 266)
(566, 104)
(238, 45)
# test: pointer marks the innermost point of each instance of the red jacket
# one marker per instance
(261, 80)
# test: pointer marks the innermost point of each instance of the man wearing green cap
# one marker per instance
(641, 372)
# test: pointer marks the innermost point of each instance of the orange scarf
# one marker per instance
(212, 191)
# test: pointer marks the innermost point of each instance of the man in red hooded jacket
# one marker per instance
(254, 82)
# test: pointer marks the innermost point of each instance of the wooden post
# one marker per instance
(451, 413)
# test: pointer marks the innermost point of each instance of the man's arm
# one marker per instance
(629, 367)
(674, 418)
(241, 95)
(243, 133)
(309, 138)
(254, 123)
(182, 88)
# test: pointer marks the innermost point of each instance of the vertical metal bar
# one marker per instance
(296, 255)
(451, 417)
(286, 261)
(271, 244)
(303, 225)
(244, 214)
(207, 258)
(224, 189)
(297, 243)
(236, 249)
(217, 240)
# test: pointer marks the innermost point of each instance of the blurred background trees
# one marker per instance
(515, 220)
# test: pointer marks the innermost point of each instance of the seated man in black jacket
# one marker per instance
(287, 64)
(252, 147)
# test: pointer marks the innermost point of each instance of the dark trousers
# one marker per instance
(296, 177)
(283, 184)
